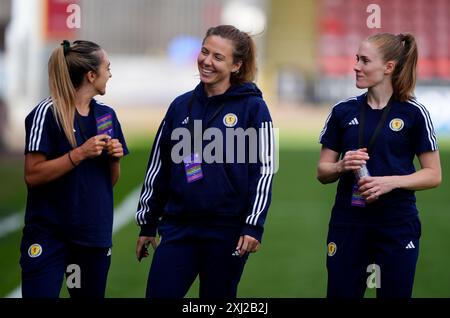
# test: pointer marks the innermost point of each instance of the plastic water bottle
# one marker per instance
(362, 172)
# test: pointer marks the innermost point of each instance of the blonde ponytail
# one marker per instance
(62, 93)
(67, 68)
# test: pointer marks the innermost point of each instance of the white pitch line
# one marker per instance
(126, 210)
(11, 223)
(123, 215)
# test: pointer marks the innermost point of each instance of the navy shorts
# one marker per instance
(46, 259)
(381, 257)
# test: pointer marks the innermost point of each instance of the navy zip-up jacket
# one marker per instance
(233, 192)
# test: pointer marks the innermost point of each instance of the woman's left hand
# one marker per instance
(371, 188)
(247, 244)
(114, 148)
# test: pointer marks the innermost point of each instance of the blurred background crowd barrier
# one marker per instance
(306, 48)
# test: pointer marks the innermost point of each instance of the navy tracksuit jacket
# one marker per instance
(231, 198)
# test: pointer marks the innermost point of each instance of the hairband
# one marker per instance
(66, 46)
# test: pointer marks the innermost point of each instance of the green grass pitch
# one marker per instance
(291, 262)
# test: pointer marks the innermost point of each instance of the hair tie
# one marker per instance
(402, 39)
(66, 46)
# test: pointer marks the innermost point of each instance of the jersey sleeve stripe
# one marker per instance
(38, 124)
(429, 124)
(34, 128)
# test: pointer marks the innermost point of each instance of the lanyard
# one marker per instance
(191, 121)
(362, 123)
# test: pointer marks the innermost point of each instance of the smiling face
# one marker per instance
(215, 64)
(370, 69)
(102, 75)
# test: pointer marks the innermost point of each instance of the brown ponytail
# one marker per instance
(402, 49)
(404, 77)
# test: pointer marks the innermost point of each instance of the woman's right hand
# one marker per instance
(353, 160)
(141, 249)
(93, 147)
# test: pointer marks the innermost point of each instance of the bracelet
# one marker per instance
(70, 158)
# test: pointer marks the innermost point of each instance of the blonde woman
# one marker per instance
(72, 161)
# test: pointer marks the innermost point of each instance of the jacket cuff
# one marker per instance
(253, 231)
(149, 229)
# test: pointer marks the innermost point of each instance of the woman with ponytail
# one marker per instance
(369, 143)
(72, 161)
(209, 210)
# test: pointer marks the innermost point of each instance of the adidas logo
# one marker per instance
(410, 245)
(235, 253)
(185, 121)
(353, 122)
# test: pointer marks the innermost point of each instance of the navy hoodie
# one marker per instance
(232, 192)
